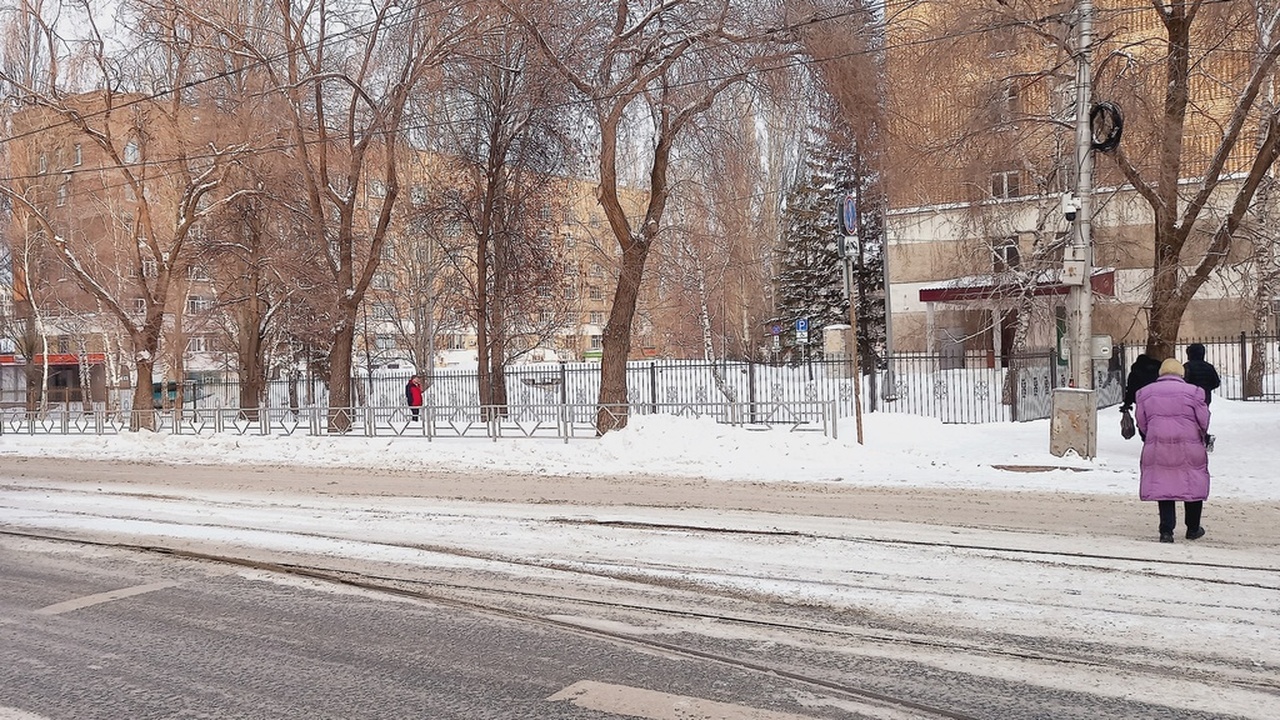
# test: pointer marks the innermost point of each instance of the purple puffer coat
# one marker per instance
(1173, 419)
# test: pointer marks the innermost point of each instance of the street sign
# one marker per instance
(849, 215)
(775, 330)
(802, 331)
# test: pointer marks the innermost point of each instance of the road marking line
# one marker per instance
(654, 705)
(88, 600)
(7, 713)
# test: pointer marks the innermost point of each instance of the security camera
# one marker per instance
(1070, 207)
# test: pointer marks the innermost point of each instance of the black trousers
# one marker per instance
(1169, 514)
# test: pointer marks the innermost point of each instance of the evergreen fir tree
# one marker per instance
(810, 277)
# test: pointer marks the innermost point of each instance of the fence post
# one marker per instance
(872, 366)
(751, 389)
(653, 387)
(564, 384)
(1244, 365)
(833, 408)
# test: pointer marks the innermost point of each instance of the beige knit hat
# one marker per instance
(1171, 367)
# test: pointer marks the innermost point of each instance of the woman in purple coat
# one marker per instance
(1173, 420)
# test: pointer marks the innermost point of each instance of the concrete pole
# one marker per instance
(1080, 296)
(890, 389)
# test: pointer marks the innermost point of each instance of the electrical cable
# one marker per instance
(1105, 116)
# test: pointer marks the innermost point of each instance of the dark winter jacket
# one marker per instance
(1143, 372)
(1173, 420)
(1201, 373)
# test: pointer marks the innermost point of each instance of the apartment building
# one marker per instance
(981, 151)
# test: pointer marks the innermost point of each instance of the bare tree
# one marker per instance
(150, 151)
(654, 68)
(1195, 163)
(511, 134)
(347, 75)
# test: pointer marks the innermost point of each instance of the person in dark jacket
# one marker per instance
(1173, 420)
(1201, 373)
(413, 395)
(1143, 372)
(1204, 375)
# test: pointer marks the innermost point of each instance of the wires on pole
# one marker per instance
(1106, 125)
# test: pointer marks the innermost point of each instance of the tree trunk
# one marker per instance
(1166, 315)
(143, 416)
(612, 410)
(340, 409)
(249, 353)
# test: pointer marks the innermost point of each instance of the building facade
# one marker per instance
(981, 154)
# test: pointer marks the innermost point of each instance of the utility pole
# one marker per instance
(1074, 424)
(1079, 263)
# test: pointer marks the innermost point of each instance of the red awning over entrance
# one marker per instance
(1005, 287)
(55, 359)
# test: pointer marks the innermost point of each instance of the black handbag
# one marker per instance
(1127, 428)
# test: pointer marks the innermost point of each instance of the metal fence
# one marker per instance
(552, 421)
(1234, 358)
(560, 399)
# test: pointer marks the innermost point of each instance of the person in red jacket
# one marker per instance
(413, 394)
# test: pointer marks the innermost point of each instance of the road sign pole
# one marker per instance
(849, 223)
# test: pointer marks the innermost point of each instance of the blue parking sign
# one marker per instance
(802, 325)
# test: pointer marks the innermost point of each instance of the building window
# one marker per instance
(377, 189)
(381, 281)
(595, 342)
(596, 293)
(197, 344)
(544, 291)
(149, 268)
(131, 153)
(197, 272)
(1006, 184)
(77, 156)
(597, 318)
(385, 342)
(139, 305)
(63, 191)
(545, 317)
(383, 311)
(453, 228)
(197, 304)
(1005, 255)
(1002, 39)
(1005, 105)
(43, 164)
(64, 344)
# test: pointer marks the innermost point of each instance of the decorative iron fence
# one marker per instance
(971, 387)
(1248, 364)
(554, 421)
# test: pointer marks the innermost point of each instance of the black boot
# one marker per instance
(1195, 534)
(1167, 537)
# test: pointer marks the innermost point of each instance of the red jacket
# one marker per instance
(413, 393)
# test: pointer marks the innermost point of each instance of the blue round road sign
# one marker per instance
(849, 215)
